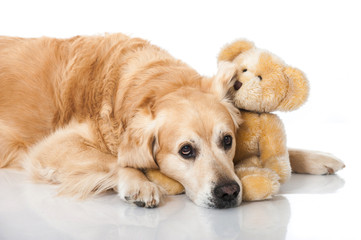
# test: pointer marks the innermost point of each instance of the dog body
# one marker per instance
(88, 113)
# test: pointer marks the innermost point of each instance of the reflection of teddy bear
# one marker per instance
(262, 84)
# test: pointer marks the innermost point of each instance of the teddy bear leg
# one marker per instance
(257, 183)
(273, 147)
(172, 187)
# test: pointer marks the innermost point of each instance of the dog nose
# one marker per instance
(237, 85)
(227, 192)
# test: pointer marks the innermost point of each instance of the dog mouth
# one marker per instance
(222, 204)
(225, 195)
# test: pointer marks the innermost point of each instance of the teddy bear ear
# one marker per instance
(232, 50)
(298, 90)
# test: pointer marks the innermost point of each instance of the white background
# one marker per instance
(322, 38)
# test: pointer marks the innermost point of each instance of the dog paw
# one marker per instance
(327, 166)
(144, 194)
(313, 162)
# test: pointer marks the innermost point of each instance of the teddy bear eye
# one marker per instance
(260, 77)
(244, 70)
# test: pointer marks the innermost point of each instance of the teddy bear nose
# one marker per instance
(237, 85)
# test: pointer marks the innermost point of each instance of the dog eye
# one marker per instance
(260, 77)
(227, 142)
(187, 151)
(244, 70)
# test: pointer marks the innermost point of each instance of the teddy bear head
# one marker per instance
(262, 81)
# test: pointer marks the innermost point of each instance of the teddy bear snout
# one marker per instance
(237, 85)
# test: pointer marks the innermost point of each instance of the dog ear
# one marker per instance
(224, 79)
(222, 82)
(233, 112)
(139, 143)
(298, 90)
(232, 50)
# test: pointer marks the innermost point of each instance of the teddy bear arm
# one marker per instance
(273, 147)
(257, 183)
(247, 138)
(252, 161)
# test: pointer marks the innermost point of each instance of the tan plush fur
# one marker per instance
(263, 83)
(89, 113)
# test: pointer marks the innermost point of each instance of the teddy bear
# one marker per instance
(262, 83)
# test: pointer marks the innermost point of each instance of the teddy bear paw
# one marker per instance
(258, 187)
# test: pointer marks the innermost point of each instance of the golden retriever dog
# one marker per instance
(89, 113)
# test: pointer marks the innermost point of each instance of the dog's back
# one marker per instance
(27, 68)
(46, 82)
(32, 76)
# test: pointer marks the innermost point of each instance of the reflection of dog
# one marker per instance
(102, 216)
(88, 112)
(256, 220)
(106, 217)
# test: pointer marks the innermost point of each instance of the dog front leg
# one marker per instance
(70, 158)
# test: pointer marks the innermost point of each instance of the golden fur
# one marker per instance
(89, 113)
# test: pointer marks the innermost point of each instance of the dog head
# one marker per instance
(196, 146)
(189, 134)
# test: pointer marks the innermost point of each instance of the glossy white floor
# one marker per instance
(308, 207)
